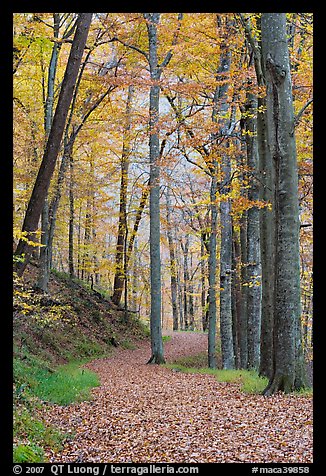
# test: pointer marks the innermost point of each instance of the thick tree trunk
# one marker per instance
(46, 170)
(267, 251)
(280, 120)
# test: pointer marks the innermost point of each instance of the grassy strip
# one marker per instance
(68, 384)
(37, 382)
(249, 380)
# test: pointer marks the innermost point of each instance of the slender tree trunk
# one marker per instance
(203, 286)
(191, 298)
(122, 227)
(288, 373)
(44, 270)
(87, 235)
(185, 249)
(46, 170)
(238, 308)
(79, 243)
(71, 221)
(211, 315)
(226, 235)
(243, 321)
(157, 356)
(139, 213)
(173, 270)
(180, 305)
(253, 243)
(135, 278)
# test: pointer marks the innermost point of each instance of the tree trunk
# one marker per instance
(44, 270)
(226, 235)
(71, 221)
(157, 356)
(191, 298)
(243, 321)
(46, 170)
(203, 286)
(280, 120)
(185, 249)
(173, 269)
(119, 278)
(253, 242)
(238, 309)
(211, 315)
(180, 306)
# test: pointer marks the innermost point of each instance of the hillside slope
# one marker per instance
(52, 335)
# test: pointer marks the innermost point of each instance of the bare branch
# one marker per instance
(300, 113)
(133, 47)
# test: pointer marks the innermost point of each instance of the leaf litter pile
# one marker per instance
(149, 413)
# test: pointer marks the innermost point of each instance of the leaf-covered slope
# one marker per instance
(70, 323)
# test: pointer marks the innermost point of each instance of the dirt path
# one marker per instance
(147, 413)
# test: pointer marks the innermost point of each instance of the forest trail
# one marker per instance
(147, 413)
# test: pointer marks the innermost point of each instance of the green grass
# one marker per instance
(36, 381)
(69, 383)
(33, 435)
(249, 380)
(28, 454)
(166, 338)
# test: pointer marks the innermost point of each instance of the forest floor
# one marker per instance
(148, 413)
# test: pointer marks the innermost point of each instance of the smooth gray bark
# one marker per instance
(211, 314)
(157, 356)
(228, 361)
(280, 121)
(253, 263)
(267, 232)
(203, 283)
(243, 321)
